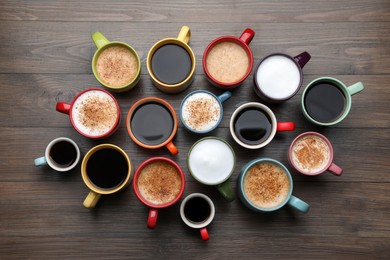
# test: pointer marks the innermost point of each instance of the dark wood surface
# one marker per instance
(45, 56)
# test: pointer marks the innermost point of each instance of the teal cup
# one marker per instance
(265, 185)
(327, 101)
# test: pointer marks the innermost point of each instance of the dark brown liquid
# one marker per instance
(152, 123)
(325, 102)
(197, 209)
(252, 126)
(107, 168)
(63, 153)
(171, 64)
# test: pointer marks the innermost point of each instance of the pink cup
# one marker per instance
(311, 154)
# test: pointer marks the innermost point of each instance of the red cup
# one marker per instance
(94, 113)
(164, 186)
(243, 41)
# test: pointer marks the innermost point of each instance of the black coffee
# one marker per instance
(107, 168)
(252, 126)
(325, 102)
(63, 153)
(171, 64)
(152, 123)
(197, 209)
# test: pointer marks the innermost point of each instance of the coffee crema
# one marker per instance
(117, 66)
(95, 113)
(227, 62)
(266, 185)
(159, 182)
(201, 111)
(310, 154)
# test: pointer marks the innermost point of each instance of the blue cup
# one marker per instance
(201, 111)
(265, 185)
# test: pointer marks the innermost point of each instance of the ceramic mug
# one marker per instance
(211, 161)
(201, 111)
(278, 77)
(61, 154)
(94, 113)
(253, 125)
(116, 65)
(106, 169)
(197, 211)
(171, 63)
(228, 60)
(311, 153)
(265, 185)
(152, 123)
(326, 101)
(158, 183)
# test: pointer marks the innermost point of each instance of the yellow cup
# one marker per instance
(174, 61)
(106, 169)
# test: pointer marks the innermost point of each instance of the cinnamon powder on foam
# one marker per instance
(202, 112)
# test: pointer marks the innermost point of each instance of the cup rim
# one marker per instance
(204, 223)
(265, 109)
(138, 172)
(128, 85)
(325, 139)
(234, 39)
(161, 43)
(89, 183)
(257, 85)
(213, 138)
(54, 165)
(115, 125)
(341, 86)
(244, 172)
(181, 114)
(150, 100)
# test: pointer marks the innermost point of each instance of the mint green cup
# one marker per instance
(326, 101)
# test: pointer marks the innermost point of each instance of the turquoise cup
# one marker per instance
(265, 185)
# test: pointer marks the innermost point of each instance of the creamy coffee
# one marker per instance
(117, 66)
(159, 182)
(310, 154)
(201, 111)
(278, 77)
(266, 185)
(227, 62)
(95, 113)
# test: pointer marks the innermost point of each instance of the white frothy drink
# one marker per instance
(95, 113)
(211, 161)
(201, 111)
(278, 77)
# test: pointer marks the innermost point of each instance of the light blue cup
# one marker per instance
(290, 200)
(219, 100)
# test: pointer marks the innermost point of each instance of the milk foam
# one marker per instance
(278, 77)
(211, 161)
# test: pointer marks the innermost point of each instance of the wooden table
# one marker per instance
(45, 57)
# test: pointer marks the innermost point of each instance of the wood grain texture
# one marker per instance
(45, 57)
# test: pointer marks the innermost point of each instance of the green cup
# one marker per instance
(327, 101)
(116, 65)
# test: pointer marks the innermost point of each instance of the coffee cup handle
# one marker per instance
(172, 148)
(298, 204)
(355, 88)
(336, 170)
(152, 218)
(91, 200)
(40, 161)
(99, 39)
(204, 234)
(184, 34)
(302, 59)
(63, 107)
(285, 126)
(247, 36)
(225, 96)
(225, 188)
